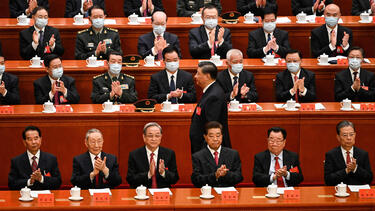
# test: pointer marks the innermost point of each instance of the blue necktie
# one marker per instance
(172, 86)
(269, 39)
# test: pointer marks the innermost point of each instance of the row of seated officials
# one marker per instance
(155, 166)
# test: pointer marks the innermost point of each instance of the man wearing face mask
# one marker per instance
(154, 42)
(9, 94)
(172, 84)
(269, 39)
(331, 38)
(55, 87)
(295, 82)
(210, 38)
(255, 6)
(186, 8)
(310, 7)
(26, 7)
(355, 83)
(237, 83)
(113, 85)
(40, 39)
(97, 40)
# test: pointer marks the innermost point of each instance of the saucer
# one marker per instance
(249, 22)
(90, 65)
(162, 110)
(76, 198)
(272, 196)
(79, 24)
(134, 23)
(200, 22)
(291, 109)
(141, 197)
(302, 22)
(343, 195)
(33, 66)
(207, 197)
(26, 199)
(23, 24)
(105, 111)
(346, 109)
(234, 109)
(362, 21)
(48, 112)
(324, 64)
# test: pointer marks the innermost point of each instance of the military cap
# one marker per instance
(231, 17)
(145, 105)
(131, 60)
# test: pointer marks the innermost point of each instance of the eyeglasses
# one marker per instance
(346, 135)
(275, 140)
(153, 136)
(98, 142)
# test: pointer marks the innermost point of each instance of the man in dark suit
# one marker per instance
(40, 39)
(211, 107)
(152, 166)
(35, 169)
(154, 42)
(277, 165)
(113, 85)
(75, 7)
(216, 165)
(331, 38)
(347, 163)
(19, 7)
(361, 6)
(95, 168)
(9, 94)
(255, 6)
(295, 82)
(172, 83)
(55, 87)
(355, 83)
(237, 83)
(268, 39)
(143, 8)
(210, 38)
(310, 7)
(186, 8)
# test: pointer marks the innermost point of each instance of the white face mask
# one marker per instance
(237, 68)
(2, 69)
(158, 29)
(355, 63)
(293, 67)
(172, 66)
(210, 23)
(41, 22)
(98, 23)
(269, 26)
(57, 73)
(115, 68)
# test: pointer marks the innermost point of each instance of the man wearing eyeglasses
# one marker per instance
(277, 165)
(95, 168)
(347, 163)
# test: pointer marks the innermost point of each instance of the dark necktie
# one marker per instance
(34, 165)
(235, 80)
(172, 87)
(41, 35)
(280, 181)
(355, 75)
(56, 97)
(97, 176)
(269, 39)
(153, 178)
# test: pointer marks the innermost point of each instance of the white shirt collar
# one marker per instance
(344, 151)
(92, 156)
(213, 151)
(149, 154)
(37, 29)
(329, 31)
(169, 74)
(266, 34)
(352, 71)
(205, 88)
(292, 74)
(156, 35)
(280, 156)
(30, 155)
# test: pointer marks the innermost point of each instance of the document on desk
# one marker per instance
(34, 193)
(109, 22)
(281, 190)
(220, 190)
(319, 106)
(103, 190)
(356, 188)
(153, 190)
(283, 20)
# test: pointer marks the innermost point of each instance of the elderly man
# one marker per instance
(151, 165)
(34, 168)
(154, 42)
(331, 38)
(186, 8)
(276, 165)
(347, 163)
(209, 39)
(40, 39)
(95, 168)
(237, 83)
(216, 165)
(19, 7)
(310, 7)
(355, 83)
(9, 94)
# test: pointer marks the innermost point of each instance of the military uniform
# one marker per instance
(101, 88)
(87, 41)
(186, 8)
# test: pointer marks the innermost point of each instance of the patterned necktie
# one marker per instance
(172, 87)
(280, 181)
(160, 55)
(34, 165)
(269, 39)
(296, 94)
(216, 157)
(235, 80)
(153, 178)
(348, 160)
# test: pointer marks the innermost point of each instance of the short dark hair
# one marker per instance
(292, 51)
(152, 16)
(276, 130)
(113, 52)
(169, 49)
(95, 6)
(269, 10)
(38, 8)
(342, 124)
(212, 124)
(357, 48)
(48, 58)
(208, 67)
(28, 128)
(209, 6)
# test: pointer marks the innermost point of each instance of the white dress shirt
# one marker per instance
(50, 92)
(213, 152)
(34, 45)
(351, 152)
(266, 36)
(37, 155)
(291, 91)
(329, 39)
(156, 152)
(153, 51)
(272, 168)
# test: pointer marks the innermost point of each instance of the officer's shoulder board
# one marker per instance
(130, 76)
(111, 29)
(85, 30)
(97, 76)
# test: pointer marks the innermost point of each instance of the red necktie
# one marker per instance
(160, 56)
(153, 178)
(371, 2)
(280, 181)
(216, 157)
(145, 11)
(56, 98)
(296, 94)
(97, 176)
(348, 160)
(34, 165)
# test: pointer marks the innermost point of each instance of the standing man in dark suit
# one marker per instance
(19, 7)
(310, 7)
(75, 7)
(347, 163)
(113, 85)
(35, 169)
(152, 166)
(154, 42)
(210, 38)
(355, 83)
(143, 8)
(216, 165)
(268, 39)
(295, 82)
(211, 107)
(172, 83)
(95, 168)
(331, 38)
(237, 83)
(277, 165)
(255, 6)
(186, 8)
(55, 87)
(9, 94)
(40, 39)
(361, 6)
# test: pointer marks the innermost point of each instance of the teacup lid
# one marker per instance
(324, 54)
(341, 184)
(36, 57)
(79, 15)
(48, 102)
(141, 187)
(291, 100)
(197, 14)
(249, 13)
(150, 56)
(301, 13)
(346, 100)
(23, 15)
(25, 188)
(272, 185)
(93, 56)
(133, 15)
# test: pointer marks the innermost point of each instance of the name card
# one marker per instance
(229, 195)
(366, 193)
(46, 198)
(161, 196)
(127, 108)
(6, 109)
(367, 107)
(307, 107)
(342, 61)
(281, 62)
(319, 20)
(292, 194)
(251, 107)
(186, 108)
(104, 197)
(63, 109)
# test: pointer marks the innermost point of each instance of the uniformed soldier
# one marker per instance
(97, 40)
(114, 85)
(186, 8)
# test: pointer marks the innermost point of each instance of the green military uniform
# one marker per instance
(87, 41)
(101, 88)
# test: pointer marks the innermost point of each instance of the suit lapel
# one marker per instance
(267, 161)
(164, 80)
(289, 79)
(262, 37)
(340, 35)
(203, 34)
(89, 167)
(27, 166)
(286, 161)
(209, 157)
(144, 158)
(227, 79)
(180, 81)
(340, 158)
(325, 34)
(363, 77)
(222, 156)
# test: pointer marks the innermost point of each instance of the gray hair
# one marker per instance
(92, 130)
(342, 124)
(151, 124)
(233, 51)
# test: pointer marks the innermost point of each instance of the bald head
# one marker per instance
(159, 18)
(332, 10)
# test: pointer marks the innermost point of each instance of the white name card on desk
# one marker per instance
(34, 193)
(220, 190)
(103, 190)
(356, 188)
(153, 190)
(109, 22)
(281, 190)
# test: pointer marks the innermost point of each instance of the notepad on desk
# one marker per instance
(104, 190)
(220, 190)
(153, 190)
